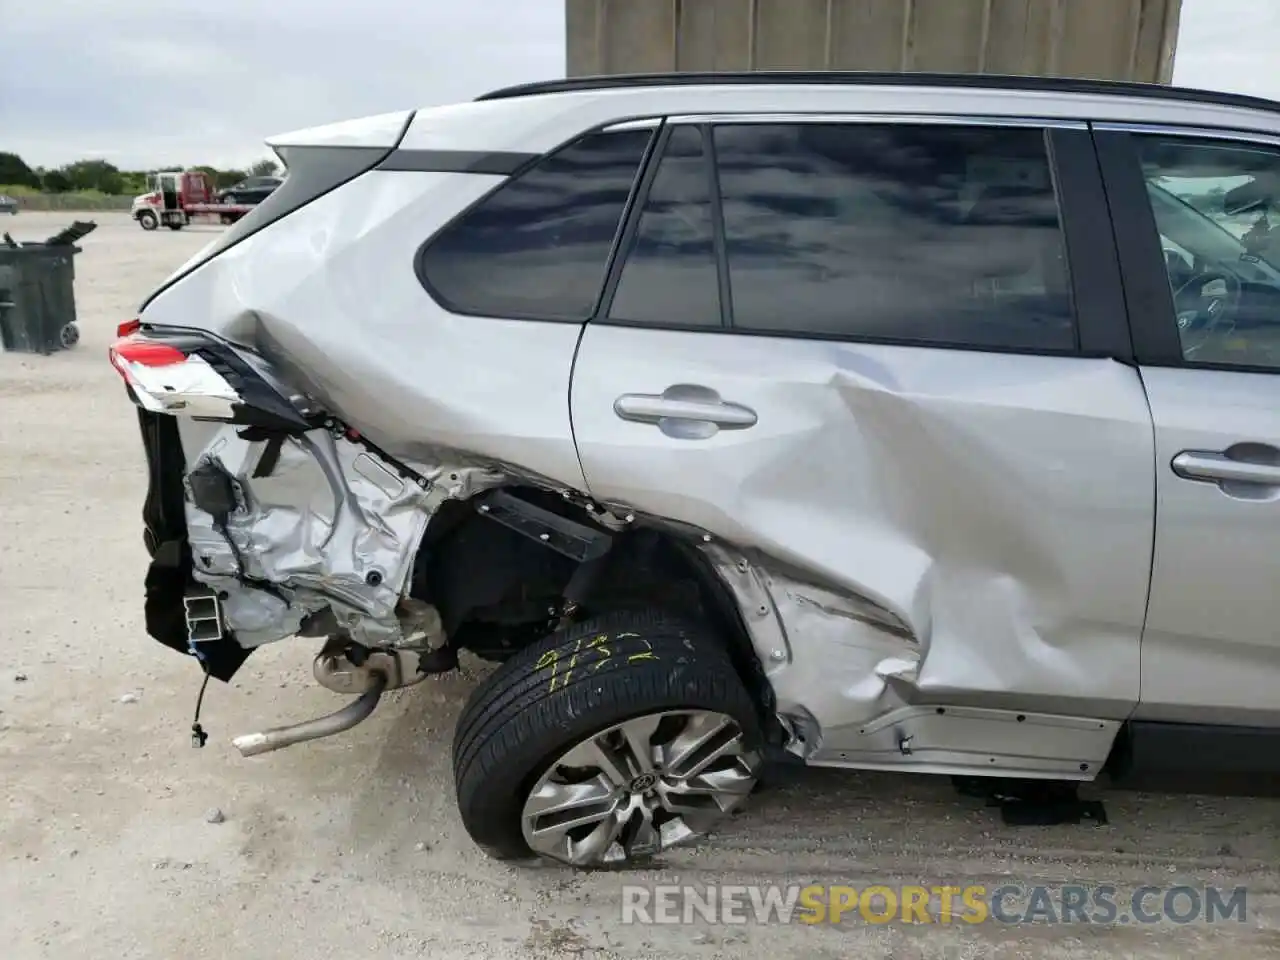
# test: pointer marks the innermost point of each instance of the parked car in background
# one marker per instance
(250, 190)
(8, 204)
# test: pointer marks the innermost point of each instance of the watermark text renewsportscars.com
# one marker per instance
(945, 904)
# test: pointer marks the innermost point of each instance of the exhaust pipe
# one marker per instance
(358, 710)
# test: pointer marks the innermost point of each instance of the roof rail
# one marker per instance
(959, 80)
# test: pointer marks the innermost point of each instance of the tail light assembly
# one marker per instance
(193, 373)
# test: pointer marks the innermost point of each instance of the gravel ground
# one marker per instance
(352, 846)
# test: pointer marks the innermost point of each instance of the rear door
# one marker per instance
(1196, 216)
(891, 354)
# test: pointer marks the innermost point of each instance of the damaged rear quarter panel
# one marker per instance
(325, 519)
(329, 296)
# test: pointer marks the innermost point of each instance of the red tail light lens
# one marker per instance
(165, 379)
(128, 328)
(195, 374)
(146, 353)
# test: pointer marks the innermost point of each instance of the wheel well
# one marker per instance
(498, 590)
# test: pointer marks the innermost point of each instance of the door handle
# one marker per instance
(1222, 468)
(685, 411)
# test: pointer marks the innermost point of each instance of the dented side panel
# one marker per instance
(901, 525)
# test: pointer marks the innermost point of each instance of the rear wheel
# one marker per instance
(607, 743)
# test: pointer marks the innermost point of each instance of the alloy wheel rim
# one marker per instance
(640, 787)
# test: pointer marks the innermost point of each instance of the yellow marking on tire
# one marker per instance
(647, 654)
(603, 652)
(549, 659)
(573, 662)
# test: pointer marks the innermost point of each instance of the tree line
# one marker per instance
(105, 177)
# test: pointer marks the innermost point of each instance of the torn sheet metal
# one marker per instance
(326, 523)
(831, 659)
(848, 681)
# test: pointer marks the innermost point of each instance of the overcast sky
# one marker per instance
(146, 83)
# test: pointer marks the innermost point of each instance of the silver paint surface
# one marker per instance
(1211, 652)
(920, 526)
(905, 529)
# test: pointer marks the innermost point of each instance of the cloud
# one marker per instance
(156, 82)
(1229, 45)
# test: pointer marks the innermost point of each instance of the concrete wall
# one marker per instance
(1099, 39)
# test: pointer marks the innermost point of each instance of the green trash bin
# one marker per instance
(37, 292)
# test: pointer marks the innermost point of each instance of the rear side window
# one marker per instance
(537, 248)
(912, 233)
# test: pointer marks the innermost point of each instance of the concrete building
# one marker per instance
(1099, 39)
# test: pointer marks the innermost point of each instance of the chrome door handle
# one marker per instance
(685, 411)
(1220, 468)
(640, 408)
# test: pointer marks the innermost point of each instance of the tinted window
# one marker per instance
(538, 246)
(911, 232)
(1216, 207)
(669, 277)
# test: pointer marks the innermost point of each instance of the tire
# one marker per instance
(147, 220)
(176, 226)
(585, 687)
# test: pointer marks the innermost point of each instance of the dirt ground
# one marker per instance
(352, 846)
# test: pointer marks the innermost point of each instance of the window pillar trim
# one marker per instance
(631, 222)
(718, 239)
(1149, 299)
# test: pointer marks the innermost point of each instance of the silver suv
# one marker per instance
(918, 423)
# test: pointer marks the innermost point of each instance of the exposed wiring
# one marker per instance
(198, 736)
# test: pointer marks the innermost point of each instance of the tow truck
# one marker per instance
(177, 198)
